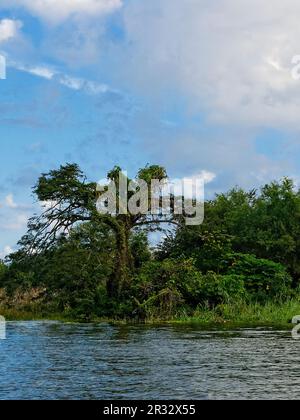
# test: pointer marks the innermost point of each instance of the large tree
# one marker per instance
(69, 199)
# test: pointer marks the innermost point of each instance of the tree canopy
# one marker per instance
(247, 249)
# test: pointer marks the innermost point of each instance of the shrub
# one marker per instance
(192, 287)
(214, 289)
(264, 279)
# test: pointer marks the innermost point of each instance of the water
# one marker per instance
(49, 360)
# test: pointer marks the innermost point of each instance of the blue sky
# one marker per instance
(196, 85)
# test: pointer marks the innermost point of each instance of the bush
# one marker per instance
(214, 289)
(184, 280)
(264, 279)
(13, 279)
(157, 275)
(159, 287)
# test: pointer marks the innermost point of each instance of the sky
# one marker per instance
(194, 85)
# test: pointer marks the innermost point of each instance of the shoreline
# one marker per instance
(226, 316)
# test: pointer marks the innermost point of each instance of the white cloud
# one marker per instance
(71, 82)
(9, 29)
(88, 86)
(232, 59)
(44, 72)
(57, 11)
(206, 176)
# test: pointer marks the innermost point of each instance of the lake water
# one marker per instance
(49, 360)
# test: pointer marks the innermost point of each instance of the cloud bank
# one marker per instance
(229, 58)
(208, 83)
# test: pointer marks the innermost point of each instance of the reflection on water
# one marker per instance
(49, 360)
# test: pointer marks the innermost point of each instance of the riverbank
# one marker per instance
(239, 314)
(243, 314)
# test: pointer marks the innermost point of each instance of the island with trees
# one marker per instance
(241, 265)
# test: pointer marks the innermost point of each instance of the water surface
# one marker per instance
(51, 360)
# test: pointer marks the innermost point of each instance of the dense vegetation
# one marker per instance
(82, 265)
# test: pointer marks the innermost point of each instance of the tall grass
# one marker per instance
(230, 314)
(280, 313)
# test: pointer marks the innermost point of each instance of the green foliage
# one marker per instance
(264, 279)
(265, 224)
(246, 251)
(214, 289)
(3, 270)
(67, 184)
(157, 287)
(152, 172)
(156, 276)
(192, 287)
(139, 247)
(208, 249)
(71, 271)
(70, 200)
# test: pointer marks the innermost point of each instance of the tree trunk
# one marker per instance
(120, 279)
